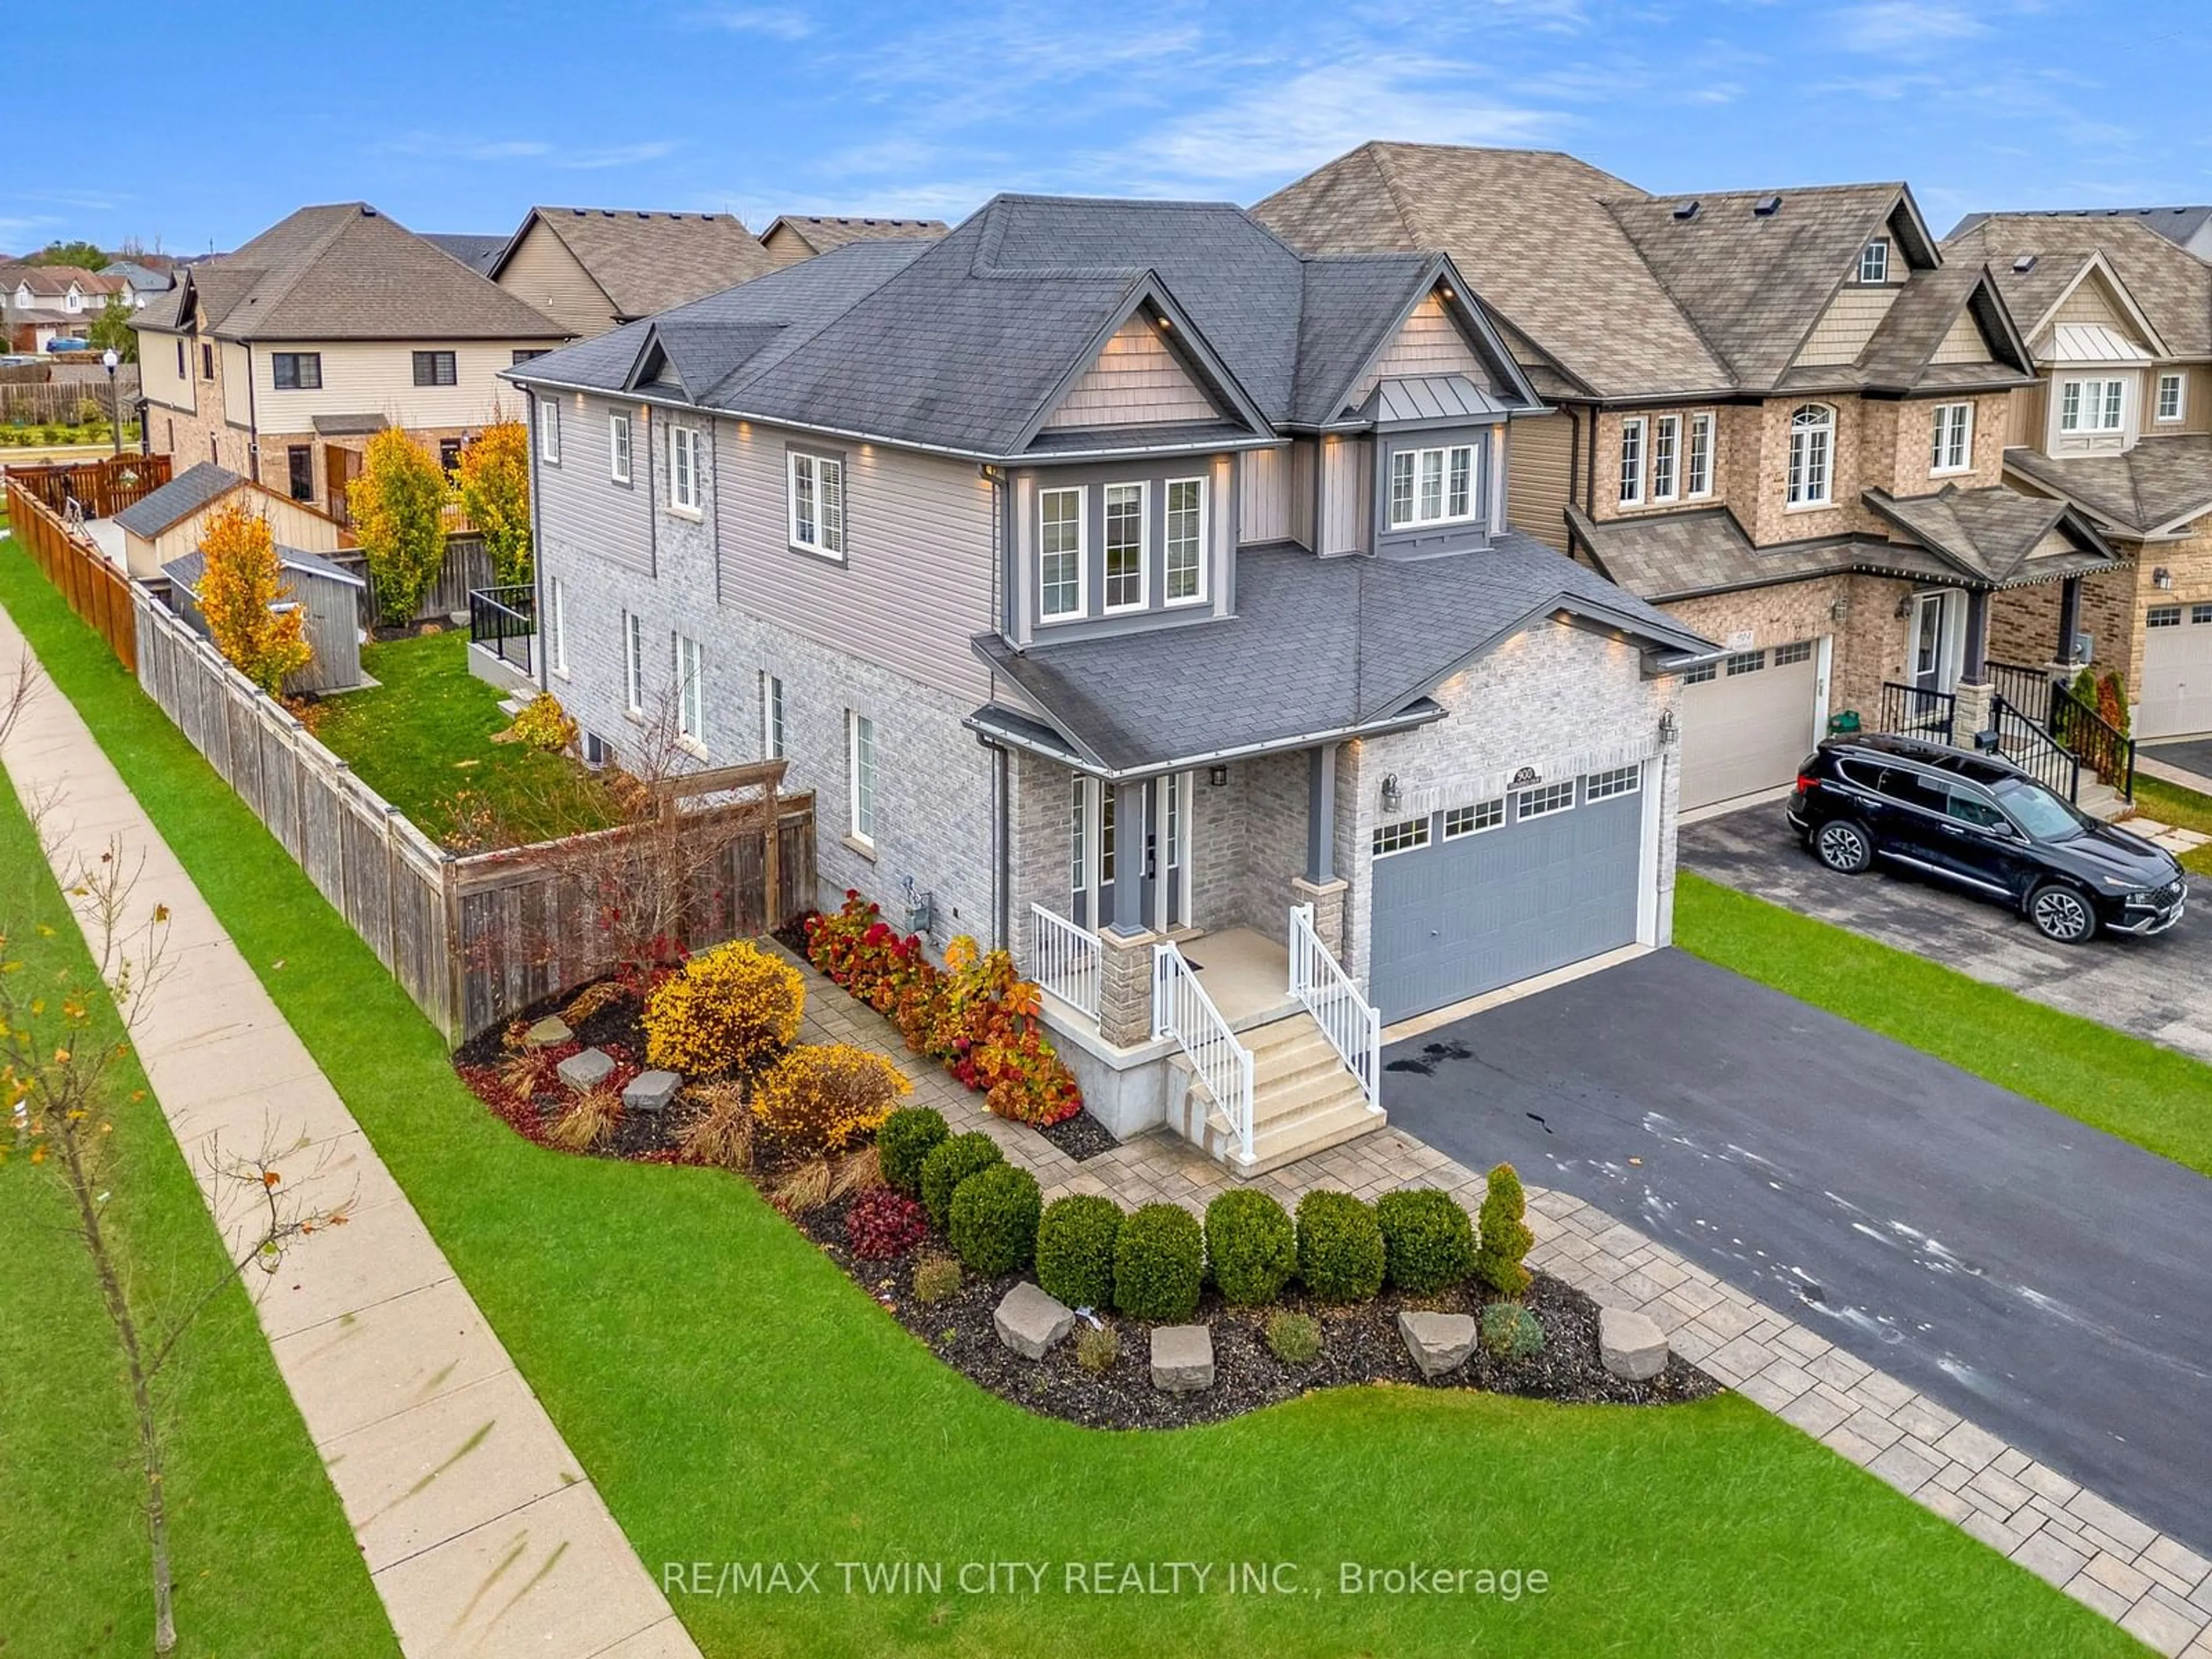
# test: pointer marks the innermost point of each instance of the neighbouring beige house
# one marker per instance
(2118, 424)
(594, 269)
(1779, 414)
(797, 236)
(279, 362)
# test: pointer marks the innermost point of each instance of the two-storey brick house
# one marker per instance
(1120, 580)
(1779, 415)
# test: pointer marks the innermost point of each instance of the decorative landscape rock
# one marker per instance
(586, 1070)
(651, 1092)
(1632, 1344)
(1031, 1321)
(1439, 1342)
(548, 1032)
(1183, 1358)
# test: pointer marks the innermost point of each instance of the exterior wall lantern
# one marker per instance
(2162, 579)
(1839, 609)
(1217, 775)
(1393, 797)
(1667, 727)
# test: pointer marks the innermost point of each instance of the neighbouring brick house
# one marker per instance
(1778, 413)
(281, 361)
(1119, 579)
(2118, 424)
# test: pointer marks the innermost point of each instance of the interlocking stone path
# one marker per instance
(2153, 1586)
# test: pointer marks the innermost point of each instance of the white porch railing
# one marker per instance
(1065, 959)
(1181, 1010)
(1347, 1020)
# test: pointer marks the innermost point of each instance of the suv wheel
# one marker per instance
(2061, 914)
(1843, 846)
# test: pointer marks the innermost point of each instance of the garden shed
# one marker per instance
(333, 596)
(165, 524)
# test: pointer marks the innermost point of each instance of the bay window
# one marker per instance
(1186, 541)
(1431, 486)
(2091, 406)
(1951, 449)
(1060, 553)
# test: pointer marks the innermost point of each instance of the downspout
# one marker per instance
(252, 422)
(1001, 848)
(540, 656)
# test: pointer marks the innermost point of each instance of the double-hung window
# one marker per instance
(817, 504)
(618, 449)
(549, 432)
(1431, 486)
(1666, 451)
(684, 469)
(1873, 261)
(771, 717)
(1632, 462)
(556, 603)
(1060, 553)
(1697, 464)
(690, 690)
(2172, 399)
(1951, 448)
(860, 776)
(633, 662)
(1186, 549)
(435, 368)
(1811, 455)
(1125, 547)
(2094, 405)
(296, 371)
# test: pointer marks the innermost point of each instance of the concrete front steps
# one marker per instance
(1304, 1100)
(2102, 800)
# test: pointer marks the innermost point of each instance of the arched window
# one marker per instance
(1812, 454)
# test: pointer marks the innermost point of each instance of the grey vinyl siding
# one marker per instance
(1263, 494)
(1347, 494)
(1305, 453)
(1429, 343)
(581, 509)
(915, 583)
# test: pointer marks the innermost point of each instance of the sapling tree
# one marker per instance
(492, 484)
(398, 506)
(241, 595)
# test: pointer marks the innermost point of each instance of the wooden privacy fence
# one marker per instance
(103, 487)
(96, 589)
(472, 938)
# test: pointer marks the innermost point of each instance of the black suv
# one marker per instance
(1983, 824)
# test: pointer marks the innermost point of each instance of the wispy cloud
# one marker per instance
(777, 22)
(1907, 29)
(619, 155)
(453, 147)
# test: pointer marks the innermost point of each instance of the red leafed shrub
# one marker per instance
(518, 1112)
(883, 1223)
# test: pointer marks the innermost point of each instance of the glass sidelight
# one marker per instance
(1158, 854)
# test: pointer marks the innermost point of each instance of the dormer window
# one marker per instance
(2092, 405)
(1873, 261)
(1431, 486)
(1060, 553)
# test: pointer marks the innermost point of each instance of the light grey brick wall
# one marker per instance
(1275, 799)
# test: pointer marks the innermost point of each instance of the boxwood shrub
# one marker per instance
(1075, 1250)
(909, 1135)
(1158, 1261)
(994, 1220)
(1250, 1247)
(1340, 1247)
(1428, 1241)
(948, 1164)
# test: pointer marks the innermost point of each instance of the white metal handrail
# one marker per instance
(1347, 1020)
(1181, 1010)
(1065, 959)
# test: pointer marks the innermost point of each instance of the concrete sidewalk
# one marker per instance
(479, 1528)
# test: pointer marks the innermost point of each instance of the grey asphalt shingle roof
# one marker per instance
(177, 499)
(2176, 224)
(187, 569)
(1678, 555)
(478, 253)
(2159, 482)
(1316, 646)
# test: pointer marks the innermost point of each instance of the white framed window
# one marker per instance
(690, 690)
(1542, 802)
(556, 625)
(549, 432)
(1079, 846)
(1621, 781)
(1401, 836)
(2092, 405)
(1632, 462)
(1060, 553)
(1951, 445)
(1811, 455)
(1431, 486)
(2172, 399)
(860, 776)
(817, 504)
(633, 662)
(1474, 820)
(1873, 261)
(683, 492)
(1666, 447)
(1697, 469)
(1125, 547)
(1186, 538)
(771, 717)
(618, 449)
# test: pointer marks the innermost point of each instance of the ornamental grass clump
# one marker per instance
(734, 1007)
(993, 1223)
(1341, 1255)
(587, 1122)
(935, 1279)
(1075, 1250)
(1250, 1247)
(1428, 1241)
(1293, 1338)
(1505, 1235)
(822, 1098)
(721, 1135)
(1096, 1348)
(1158, 1260)
(909, 1135)
(949, 1164)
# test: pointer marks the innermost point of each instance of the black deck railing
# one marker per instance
(2027, 689)
(2030, 747)
(503, 620)
(1913, 711)
(2104, 748)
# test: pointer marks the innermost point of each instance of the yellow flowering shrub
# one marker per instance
(822, 1098)
(734, 1005)
(543, 724)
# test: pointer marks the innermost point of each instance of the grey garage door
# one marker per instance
(1483, 895)
(1747, 721)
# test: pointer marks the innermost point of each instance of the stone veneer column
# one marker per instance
(1327, 899)
(1125, 987)
(1970, 713)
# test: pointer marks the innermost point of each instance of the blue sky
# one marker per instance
(457, 117)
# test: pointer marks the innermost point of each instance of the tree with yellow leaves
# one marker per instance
(493, 485)
(242, 595)
(399, 505)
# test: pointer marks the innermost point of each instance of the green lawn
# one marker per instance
(423, 734)
(2156, 1097)
(264, 1561)
(736, 1399)
(2185, 809)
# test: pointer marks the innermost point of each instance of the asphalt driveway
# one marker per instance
(2048, 1281)
(2158, 987)
(2190, 755)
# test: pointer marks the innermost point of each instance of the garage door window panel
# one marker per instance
(1605, 786)
(1474, 820)
(1405, 835)
(1544, 802)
